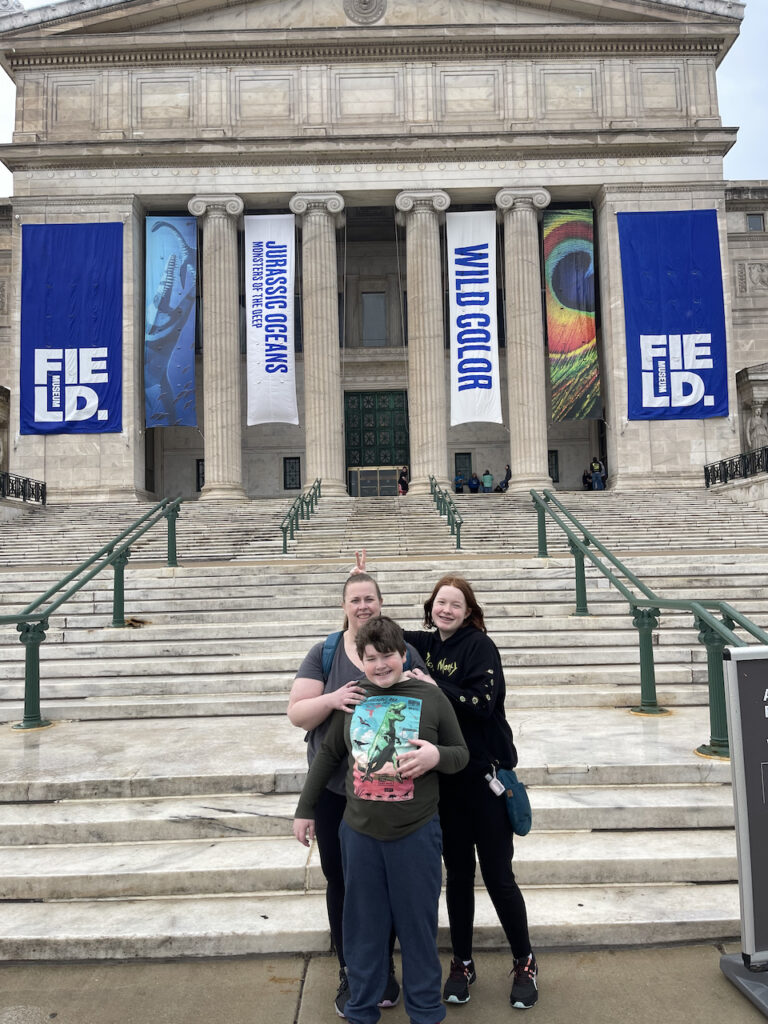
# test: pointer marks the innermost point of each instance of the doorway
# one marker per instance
(376, 440)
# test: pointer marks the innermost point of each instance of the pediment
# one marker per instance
(86, 17)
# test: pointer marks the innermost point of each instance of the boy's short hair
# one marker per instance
(383, 634)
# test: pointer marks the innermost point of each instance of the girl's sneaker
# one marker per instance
(525, 991)
(461, 976)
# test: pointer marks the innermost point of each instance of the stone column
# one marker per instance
(427, 410)
(526, 363)
(323, 409)
(221, 346)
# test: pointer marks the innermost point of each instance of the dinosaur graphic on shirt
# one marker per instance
(384, 746)
(380, 732)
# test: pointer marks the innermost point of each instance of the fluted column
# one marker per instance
(526, 364)
(221, 346)
(323, 409)
(427, 412)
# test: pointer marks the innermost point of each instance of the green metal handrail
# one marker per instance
(32, 621)
(446, 507)
(302, 508)
(714, 633)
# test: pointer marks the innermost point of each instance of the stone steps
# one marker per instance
(213, 816)
(566, 916)
(153, 819)
(265, 864)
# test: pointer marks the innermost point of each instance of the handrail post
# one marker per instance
(285, 539)
(581, 580)
(718, 722)
(171, 515)
(542, 530)
(32, 635)
(458, 535)
(119, 563)
(645, 621)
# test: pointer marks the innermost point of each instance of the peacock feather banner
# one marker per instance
(569, 270)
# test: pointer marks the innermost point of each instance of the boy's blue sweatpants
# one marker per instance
(392, 883)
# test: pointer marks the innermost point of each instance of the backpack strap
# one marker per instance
(329, 650)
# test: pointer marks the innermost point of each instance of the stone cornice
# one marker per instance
(607, 192)
(418, 150)
(575, 46)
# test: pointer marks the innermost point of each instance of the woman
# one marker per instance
(465, 664)
(326, 681)
(402, 482)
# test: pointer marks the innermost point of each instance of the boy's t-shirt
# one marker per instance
(341, 671)
(380, 803)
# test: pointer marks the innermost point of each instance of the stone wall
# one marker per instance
(470, 96)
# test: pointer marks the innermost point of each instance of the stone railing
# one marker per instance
(22, 487)
(738, 468)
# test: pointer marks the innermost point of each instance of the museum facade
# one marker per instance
(372, 131)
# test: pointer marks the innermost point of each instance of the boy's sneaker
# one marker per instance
(461, 976)
(524, 992)
(391, 996)
(342, 996)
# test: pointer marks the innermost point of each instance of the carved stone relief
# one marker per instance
(365, 12)
(752, 278)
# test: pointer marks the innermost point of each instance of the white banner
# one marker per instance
(475, 384)
(270, 262)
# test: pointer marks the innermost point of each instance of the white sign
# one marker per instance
(270, 268)
(475, 383)
(61, 376)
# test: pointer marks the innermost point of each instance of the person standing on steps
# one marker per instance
(597, 470)
(465, 663)
(487, 481)
(326, 681)
(402, 482)
(395, 745)
(474, 483)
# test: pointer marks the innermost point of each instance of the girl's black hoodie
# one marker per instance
(467, 668)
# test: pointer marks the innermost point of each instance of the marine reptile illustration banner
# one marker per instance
(569, 270)
(169, 326)
(71, 328)
(675, 315)
(475, 382)
(270, 269)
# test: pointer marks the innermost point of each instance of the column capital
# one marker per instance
(536, 198)
(328, 202)
(231, 205)
(433, 199)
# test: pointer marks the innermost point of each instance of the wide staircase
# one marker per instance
(154, 819)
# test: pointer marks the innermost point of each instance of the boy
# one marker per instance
(390, 834)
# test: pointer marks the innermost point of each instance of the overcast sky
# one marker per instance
(742, 83)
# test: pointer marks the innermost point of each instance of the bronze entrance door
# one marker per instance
(377, 446)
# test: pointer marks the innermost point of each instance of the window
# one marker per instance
(292, 474)
(374, 308)
(462, 462)
(554, 465)
(755, 222)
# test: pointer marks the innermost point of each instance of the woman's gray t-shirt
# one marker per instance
(342, 671)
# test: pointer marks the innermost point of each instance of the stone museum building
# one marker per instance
(576, 143)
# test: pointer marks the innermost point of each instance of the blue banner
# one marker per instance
(675, 316)
(71, 328)
(169, 326)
